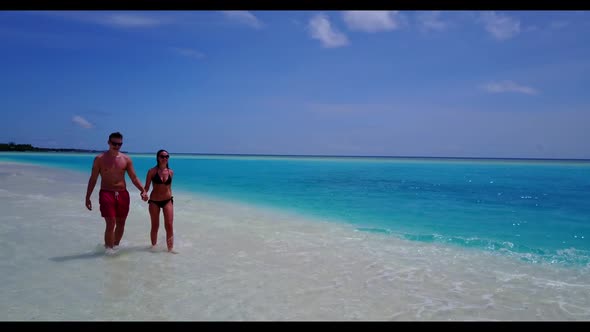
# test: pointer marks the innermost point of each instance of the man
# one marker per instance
(113, 196)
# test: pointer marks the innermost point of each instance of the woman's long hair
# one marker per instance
(158, 156)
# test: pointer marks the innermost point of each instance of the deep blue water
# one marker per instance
(536, 211)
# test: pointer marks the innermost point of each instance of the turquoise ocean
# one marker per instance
(531, 211)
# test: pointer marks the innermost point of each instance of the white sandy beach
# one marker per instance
(239, 262)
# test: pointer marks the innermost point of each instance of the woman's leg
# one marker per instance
(155, 217)
(168, 224)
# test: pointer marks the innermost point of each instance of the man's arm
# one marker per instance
(135, 179)
(92, 181)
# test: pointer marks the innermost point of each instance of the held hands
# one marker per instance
(144, 196)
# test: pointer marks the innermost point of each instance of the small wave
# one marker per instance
(37, 197)
(566, 257)
(374, 230)
(6, 193)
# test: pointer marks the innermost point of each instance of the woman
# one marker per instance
(161, 199)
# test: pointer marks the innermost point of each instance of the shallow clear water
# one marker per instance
(536, 211)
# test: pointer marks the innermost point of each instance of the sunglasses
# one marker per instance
(164, 156)
(116, 144)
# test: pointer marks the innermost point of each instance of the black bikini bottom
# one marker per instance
(162, 203)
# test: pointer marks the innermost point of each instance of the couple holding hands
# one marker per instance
(114, 198)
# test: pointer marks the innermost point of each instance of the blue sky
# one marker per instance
(408, 83)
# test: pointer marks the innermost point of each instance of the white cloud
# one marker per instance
(431, 21)
(243, 17)
(112, 19)
(509, 86)
(372, 20)
(499, 26)
(130, 21)
(188, 52)
(321, 29)
(80, 121)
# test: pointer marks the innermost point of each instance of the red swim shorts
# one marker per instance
(114, 203)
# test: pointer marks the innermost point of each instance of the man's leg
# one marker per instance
(109, 232)
(123, 203)
(119, 229)
(107, 211)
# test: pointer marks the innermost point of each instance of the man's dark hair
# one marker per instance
(116, 135)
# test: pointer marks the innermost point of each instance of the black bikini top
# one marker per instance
(156, 179)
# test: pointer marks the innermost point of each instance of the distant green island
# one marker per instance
(11, 146)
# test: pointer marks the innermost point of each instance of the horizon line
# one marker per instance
(73, 150)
